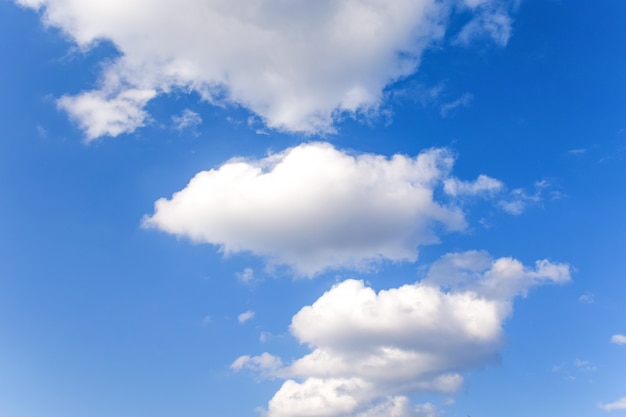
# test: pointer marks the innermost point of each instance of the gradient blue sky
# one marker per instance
(109, 307)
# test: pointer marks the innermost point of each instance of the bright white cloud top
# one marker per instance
(313, 207)
(297, 64)
(618, 339)
(368, 347)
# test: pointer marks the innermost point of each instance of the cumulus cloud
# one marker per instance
(314, 207)
(369, 348)
(297, 64)
(618, 339)
(616, 405)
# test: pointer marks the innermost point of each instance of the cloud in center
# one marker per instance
(314, 207)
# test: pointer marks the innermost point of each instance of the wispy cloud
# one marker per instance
(518, 200)
(587, 298)
(246, 316)
(246, 276)
(490, 23)
(464, 101)
(187, 120)
(618, 339)
(585, 365)
(482, 186)
(616, 405)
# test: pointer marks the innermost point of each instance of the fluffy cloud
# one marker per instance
(297, 64)
(314, 207)
(618, 339)
(369, 347)
(101, 114)
(616, 405)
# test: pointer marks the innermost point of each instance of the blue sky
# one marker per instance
(355, 209)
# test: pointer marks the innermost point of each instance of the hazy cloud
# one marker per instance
(244, 317)
(587, 298)
(618, 339)
(246, 276)
(616, 405)
(463, 101)
(483, 185)
(188, 119)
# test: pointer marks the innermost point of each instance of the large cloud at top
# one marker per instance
(370, 349)
(314, 207)
(296, 63)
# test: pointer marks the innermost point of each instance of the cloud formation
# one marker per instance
(245, 316)
(188, 119)
(314, 208)
(371, 348)
(483, 185)
(616, 405)
(297, 64)
(618, 339)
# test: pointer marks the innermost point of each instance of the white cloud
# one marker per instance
(368, 347)
(616, 405)
(99, 114)
(244, 317)
(483, 185)
(297, 64)
(314, 207)
(188, 119)
(618, 339)
(263, 363)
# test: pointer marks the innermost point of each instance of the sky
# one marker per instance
(286, 208)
